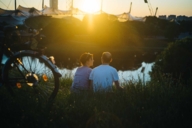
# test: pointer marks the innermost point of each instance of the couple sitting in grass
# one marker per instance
(100, 78)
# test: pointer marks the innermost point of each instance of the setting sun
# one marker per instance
(90, 6)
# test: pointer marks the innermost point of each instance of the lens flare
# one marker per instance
(18, 85)
(90, 6)
(45, 78)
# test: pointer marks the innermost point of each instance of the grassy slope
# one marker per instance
(156, 105)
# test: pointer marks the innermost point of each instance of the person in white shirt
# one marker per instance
(103, 76)
(81, 80)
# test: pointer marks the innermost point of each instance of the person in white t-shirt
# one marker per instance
(103, 76)
(81, 80)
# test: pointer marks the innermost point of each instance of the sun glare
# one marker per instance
(91, 6)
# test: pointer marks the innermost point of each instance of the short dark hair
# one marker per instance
(85, 57)
(106, 56)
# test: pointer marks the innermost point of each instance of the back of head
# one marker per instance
(85, 57)
(106, 57)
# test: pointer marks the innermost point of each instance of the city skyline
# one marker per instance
(139, 7)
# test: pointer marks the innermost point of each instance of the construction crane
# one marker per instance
(149, 6)
(156, 11)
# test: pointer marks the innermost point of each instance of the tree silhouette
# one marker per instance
(175, 61)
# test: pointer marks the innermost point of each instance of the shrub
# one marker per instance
(174, 62)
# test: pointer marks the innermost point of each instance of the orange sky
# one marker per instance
(139, 7)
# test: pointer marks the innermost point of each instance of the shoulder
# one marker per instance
(87, 68)
(97, 68)
(84, 69)
(112, 68)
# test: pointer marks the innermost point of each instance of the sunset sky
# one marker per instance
(139, 7)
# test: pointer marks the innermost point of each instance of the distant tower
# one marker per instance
(101, 8)
(69, 4)
(54, 4)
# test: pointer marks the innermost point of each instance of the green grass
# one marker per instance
(155, 105)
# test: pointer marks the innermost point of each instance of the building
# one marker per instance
(181, 18)
(53, 4)
(171, 17)
(163, 17)
(176, 18)
(190, 18)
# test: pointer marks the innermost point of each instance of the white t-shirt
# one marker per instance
(103, 77)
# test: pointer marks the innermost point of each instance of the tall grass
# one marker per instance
(153, 105)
